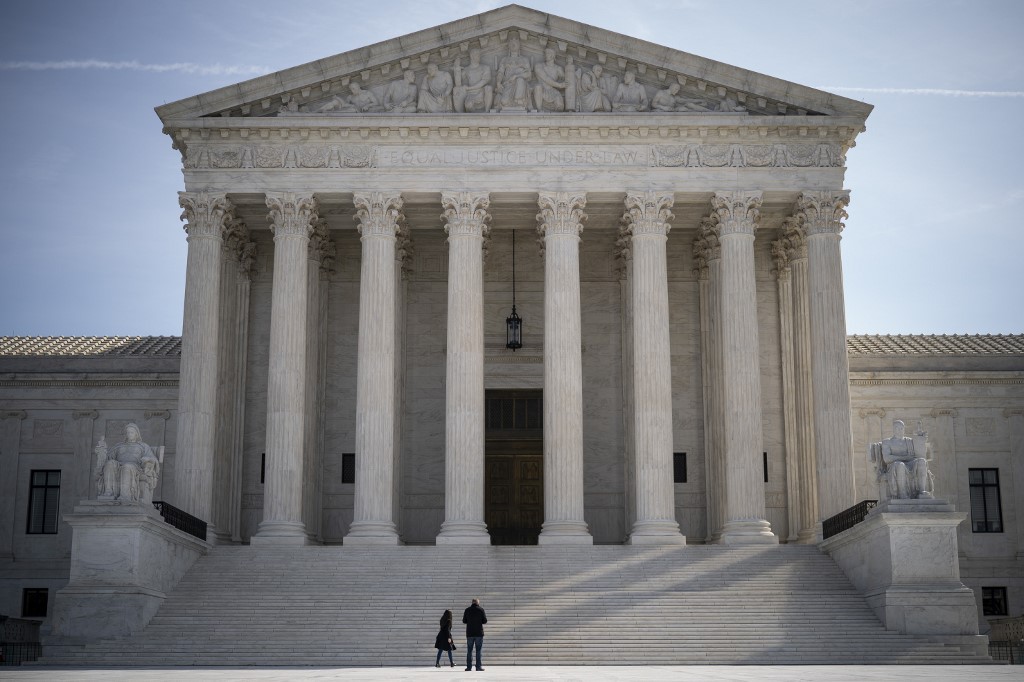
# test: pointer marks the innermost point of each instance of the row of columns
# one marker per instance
(724, 253)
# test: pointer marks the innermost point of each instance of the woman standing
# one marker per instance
(444, 641)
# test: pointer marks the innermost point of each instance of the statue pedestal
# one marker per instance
(124, 559)
(903, 558)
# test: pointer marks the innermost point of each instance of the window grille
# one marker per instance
(34, 601)
(44, 502)
(348, 467)
(993, 601)
(986, 513)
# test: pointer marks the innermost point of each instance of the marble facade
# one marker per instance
(349, 272)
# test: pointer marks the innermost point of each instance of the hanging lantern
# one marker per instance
(513, 323)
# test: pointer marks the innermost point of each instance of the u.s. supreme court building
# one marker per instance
(519, 281)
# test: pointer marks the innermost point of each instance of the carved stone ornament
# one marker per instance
(378, 213)
(648, 213)
(404, 249)
(738, 212)
(291, 214)
(205, 215)
(790, 246)
(706, 246)
(561, 213)
(465, 213)
(320, 245)
(822, 212)
(823, 155)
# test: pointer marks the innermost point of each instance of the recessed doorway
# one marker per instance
(514, 466)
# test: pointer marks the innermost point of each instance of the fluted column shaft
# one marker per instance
(466, 219)
(246, 263)
(738, 214)
(647, 215)
(320, 255)
(822, 213)
(378, 214)
(206, 215)
(791, 441)
(560, 222)
(810, 530)
(707, 255)
(291, 218)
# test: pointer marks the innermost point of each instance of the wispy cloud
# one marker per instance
(100, 65)
(927, 91)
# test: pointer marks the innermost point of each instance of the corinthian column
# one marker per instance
(373, 523)
(784, 280)
(707, 253)
(560, 224)
(466, 216)
(291, 220)
(647, 215)
(206, 216)
(738, 214)
(822, 213)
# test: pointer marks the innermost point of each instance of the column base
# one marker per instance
(271, 533)
(748, 532)
(662, 532)
(809, 536)
(565, 533)
(463, 533)
(372, 533)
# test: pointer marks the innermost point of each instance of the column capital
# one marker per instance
(378, 213)
(790, 246)
(291, 214)
(321, 249)
(706, 246)
(561, 213)
(235, 234)
(465, 213)
(648, 213)
(738, 212)
(206, 214)
(404, 249)
(822, 211)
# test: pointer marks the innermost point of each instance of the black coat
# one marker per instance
(444, 636)
(474, 618)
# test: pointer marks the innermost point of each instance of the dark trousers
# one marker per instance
(474, 643)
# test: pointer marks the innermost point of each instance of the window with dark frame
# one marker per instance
(43, 502)
(263, 468)
(515, 413)
(993, 601)
(348, 467)
(679, 467)
(986, 512)
(765, 467)
(34, 602)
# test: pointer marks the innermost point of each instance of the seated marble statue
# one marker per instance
(592, 95)
(127, 472)
(630, 95)
(436, 91)
(512, 88)
(401, 96)
(901, 463)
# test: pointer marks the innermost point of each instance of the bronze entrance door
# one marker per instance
(514, 498)
(514, 467)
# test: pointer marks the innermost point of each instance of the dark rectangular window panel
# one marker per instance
(43, 502)
(348, 467)
(993, 601)
(986, 511)
(514, 413)
(263, 468)
(766, 467)
(33, 602)
(679, 467)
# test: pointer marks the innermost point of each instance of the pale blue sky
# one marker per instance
(92, 244)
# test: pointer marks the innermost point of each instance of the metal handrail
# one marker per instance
(846, 519)
(181, 520)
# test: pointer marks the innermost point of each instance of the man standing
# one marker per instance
(474, 618)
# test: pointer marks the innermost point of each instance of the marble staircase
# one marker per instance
(601, 605)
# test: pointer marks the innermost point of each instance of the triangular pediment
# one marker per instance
(591, 70)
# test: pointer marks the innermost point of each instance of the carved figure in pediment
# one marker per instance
(592, 93)
(127, 472)
(360, 101)
(901, 463)
(436, 91)
(553, 91)
(731, 105)
(630, 95)
(670, 100)
(513, 88)
(401, 96)
(473, 91)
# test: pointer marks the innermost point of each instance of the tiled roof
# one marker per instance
(85, 346)
(857, 344)
(932, 344)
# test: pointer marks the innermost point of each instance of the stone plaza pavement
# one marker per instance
(696, 673)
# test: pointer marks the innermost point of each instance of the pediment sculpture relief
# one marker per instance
(509, 80)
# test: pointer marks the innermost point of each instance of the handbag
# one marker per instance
(452, 642)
